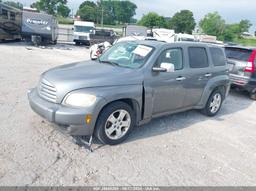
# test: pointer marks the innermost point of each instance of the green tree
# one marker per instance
(231, 32)
(245, 25)
(183, 22)
(87, 3)
(113, 11)
(15, 4)
(87, 13)
(124, 11)
(153, 20)
(213, 24)
(63, 10)
(49, 6)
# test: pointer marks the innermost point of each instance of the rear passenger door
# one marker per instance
(199, 73)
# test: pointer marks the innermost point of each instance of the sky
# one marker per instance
(231, 10)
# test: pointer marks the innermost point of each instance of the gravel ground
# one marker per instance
(181, 150)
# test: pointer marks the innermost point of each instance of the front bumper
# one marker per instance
(71, 120)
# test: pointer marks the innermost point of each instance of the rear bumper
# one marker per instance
(248, 84)
(72, 120)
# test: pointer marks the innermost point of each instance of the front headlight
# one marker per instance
(79, 100)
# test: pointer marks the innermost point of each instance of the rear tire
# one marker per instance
(213, 104)
(115, 122)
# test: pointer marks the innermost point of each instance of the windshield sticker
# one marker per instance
(142, 50)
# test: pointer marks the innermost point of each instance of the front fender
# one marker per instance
(132, 93)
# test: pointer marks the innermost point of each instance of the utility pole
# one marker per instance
(102, 15)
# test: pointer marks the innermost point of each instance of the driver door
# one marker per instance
(168, 92)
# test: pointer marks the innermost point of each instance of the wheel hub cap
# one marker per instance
(215, 103)
(117, 124)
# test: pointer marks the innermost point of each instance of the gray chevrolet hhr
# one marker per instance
(130, 84)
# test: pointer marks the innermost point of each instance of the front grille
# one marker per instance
(47, 91)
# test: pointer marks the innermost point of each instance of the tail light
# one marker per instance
(250, 67)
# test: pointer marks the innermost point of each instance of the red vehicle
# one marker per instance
(242, 62)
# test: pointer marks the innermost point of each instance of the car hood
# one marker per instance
(89, 74)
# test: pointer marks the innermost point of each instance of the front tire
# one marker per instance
(213, 104)
(115, 123)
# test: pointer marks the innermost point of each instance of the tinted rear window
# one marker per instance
(218, 57)
(238, 53)
(198, 57)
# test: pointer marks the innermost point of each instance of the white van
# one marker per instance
(82, 30)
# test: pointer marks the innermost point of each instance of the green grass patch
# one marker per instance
(65, 21)
(246, 41)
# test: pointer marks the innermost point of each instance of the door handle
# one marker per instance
(180, 78)
(208, 75)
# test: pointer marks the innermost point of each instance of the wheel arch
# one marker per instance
(221, 83)
(133, 103)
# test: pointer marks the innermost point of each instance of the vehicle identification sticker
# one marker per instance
(142, 50)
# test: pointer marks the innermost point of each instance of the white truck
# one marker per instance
(82, 31)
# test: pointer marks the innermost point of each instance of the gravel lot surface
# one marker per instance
(181, 150)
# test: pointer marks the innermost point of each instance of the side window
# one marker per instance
(218, 57)
(172, 56)
(12, 16)
(4, 14)
(198, 57)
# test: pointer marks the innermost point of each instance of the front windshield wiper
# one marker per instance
(109, 62)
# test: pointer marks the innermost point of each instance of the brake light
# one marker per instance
(249, 67)
(250, 64)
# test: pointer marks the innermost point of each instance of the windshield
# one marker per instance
(83, 29)
(127, 54)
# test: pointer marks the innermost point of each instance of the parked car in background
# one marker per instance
(102, 35)
(130, 84)
(82, 31)
(242, 62)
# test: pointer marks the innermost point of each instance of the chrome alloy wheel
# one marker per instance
(117, 124)
(215, 103)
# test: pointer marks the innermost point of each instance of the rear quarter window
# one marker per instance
(218, 57)
(198, 57)
(238, 53)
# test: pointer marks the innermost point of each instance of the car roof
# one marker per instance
(241, 47)
(156, 43)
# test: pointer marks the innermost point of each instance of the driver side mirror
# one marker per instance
(164, 67)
